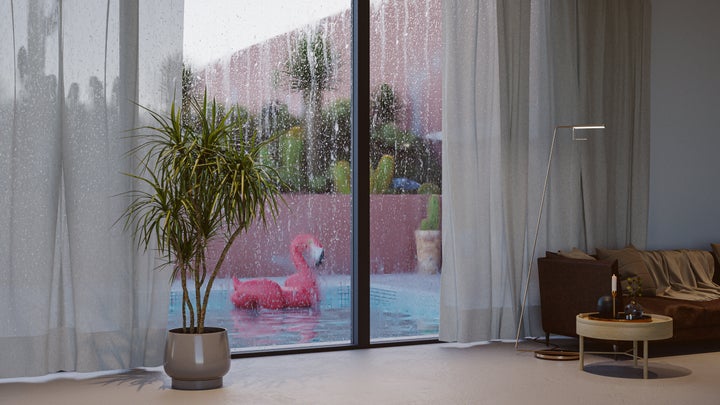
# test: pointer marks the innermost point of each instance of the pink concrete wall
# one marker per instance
(393, 220)
(406, 52)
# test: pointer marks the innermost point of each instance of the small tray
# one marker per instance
(595, 316)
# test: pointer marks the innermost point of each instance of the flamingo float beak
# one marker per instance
(317, 254)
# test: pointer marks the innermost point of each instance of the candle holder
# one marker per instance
(614, 312)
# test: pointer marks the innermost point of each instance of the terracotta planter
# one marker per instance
(197, 361)
(428, 245)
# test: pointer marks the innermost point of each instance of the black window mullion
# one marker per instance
(360, 171)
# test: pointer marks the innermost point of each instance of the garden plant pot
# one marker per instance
(197, 361)
(428, 246)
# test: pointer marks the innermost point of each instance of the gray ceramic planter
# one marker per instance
(197, 361)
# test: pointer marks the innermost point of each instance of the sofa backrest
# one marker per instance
(569, 287)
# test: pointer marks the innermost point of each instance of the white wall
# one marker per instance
(684, 207)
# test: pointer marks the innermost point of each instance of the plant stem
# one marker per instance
(186, 303)
(216, 270)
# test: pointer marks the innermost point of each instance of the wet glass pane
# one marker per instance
(405, 79)
(286, 66)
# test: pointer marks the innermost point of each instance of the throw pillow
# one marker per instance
(716, 252)
(630, 264)
(576, 253)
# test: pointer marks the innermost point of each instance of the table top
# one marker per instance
(659, 327)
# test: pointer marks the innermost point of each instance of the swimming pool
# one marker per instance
(403, 306)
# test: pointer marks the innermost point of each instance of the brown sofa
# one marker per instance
(682, 284)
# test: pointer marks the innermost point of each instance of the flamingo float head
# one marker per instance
(300, 289)
(309, 247)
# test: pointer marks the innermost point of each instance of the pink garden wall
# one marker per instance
(405, 48)
(393, 219)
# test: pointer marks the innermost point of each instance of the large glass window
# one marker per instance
(287, 65)
(405, 81)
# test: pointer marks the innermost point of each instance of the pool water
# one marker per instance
(403, 306)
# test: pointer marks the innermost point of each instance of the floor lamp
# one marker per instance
(548, 354)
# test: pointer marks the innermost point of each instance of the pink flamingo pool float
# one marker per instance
(300, 289)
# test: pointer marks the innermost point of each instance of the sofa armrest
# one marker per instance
(569, 287)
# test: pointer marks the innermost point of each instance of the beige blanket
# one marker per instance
(682, 274)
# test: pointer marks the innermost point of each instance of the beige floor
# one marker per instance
(429, 374)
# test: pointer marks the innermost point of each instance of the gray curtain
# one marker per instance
(513, 71)
(75, 294)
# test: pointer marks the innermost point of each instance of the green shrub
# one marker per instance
(384, 105)
(292, 145)
(429, 188)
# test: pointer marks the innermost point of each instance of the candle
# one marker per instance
(614, 283)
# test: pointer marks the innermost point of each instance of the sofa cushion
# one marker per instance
(576, 253)
(630, 264)
(716, 251)
(686, 314)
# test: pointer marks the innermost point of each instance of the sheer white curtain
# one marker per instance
(512, 72)
(75, 294)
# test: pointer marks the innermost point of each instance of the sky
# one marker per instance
(216, 28)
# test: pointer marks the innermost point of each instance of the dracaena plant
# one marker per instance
(199, 180)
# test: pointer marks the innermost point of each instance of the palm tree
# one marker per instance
(311, 69)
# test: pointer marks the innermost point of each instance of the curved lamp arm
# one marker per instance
(540, 210)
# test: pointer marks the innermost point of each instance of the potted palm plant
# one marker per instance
(200, 181)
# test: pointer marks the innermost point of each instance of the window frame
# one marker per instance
(360, 113)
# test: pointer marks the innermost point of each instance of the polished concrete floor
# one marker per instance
(494, 373)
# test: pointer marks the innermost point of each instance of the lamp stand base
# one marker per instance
(557, 355)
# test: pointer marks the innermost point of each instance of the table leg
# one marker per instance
(582, 353)
(635, 356)
(645, 359)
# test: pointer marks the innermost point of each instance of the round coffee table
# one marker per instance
(658, 327)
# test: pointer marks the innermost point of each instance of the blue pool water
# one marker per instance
(403, 306)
